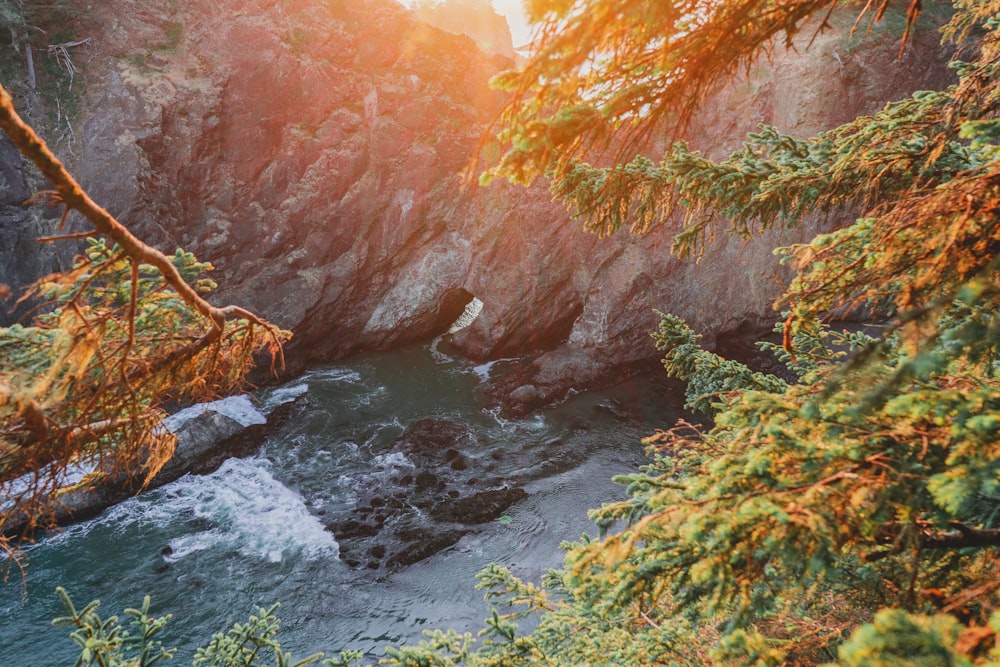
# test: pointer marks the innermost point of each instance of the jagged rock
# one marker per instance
(419, 544)
(474, 18)
(210, 433)
(351, 529)
(313, 153)
(407, 517)
(22, 259)
(431, 438)
(525, 394)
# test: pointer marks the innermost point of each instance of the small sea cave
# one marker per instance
(472, 309)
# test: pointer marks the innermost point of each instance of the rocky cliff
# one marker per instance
(22, 258)
(475, 18)
(313, 152)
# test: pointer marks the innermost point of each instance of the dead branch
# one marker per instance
(962, 537)
(61, 53)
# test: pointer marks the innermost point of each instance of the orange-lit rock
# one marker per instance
(312, 151)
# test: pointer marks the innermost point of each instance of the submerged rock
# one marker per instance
(480, 507)
(419, 544)
(431, 438)
(404, 519)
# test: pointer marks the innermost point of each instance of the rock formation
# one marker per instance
(22, 258)
(474, 18)
(313, 151)
(435, 496)
(207, 435)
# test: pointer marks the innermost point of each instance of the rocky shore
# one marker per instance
(207, 434)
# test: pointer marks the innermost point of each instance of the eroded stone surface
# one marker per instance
(313, 152)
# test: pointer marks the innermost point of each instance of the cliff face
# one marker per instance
(312, 151)
(475, 18)
(22, 258)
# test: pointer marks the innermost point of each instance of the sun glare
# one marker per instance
(511, 10)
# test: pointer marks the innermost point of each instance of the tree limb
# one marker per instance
(73, 196)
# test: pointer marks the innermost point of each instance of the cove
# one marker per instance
(212, 549)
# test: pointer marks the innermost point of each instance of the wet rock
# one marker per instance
(352, 529)
(447, 487)
(419, 544)
(480, 507)
(426, 480)
(206, 436)
(432, 438)
(210, 433)
(613, 408)
(526, 394)
(198, 444)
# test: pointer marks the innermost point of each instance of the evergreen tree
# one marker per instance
(870, 481)
(114, 338)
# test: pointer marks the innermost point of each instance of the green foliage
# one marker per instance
(84, 382)
(898, 638)
(709, 378)
(440, 649)
(244, 644)
(105, 642)
(43, 27)
(776, 179)
(567, 632)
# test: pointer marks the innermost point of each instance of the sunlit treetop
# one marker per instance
(602, 67)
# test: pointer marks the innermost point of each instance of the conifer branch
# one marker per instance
(72, 195)
(124, 330)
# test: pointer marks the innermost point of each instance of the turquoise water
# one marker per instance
(212, 549)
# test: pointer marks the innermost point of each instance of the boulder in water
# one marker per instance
(207, 434)
(480, 507)
(431, 507)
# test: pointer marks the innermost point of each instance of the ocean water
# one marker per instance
(212, 549)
